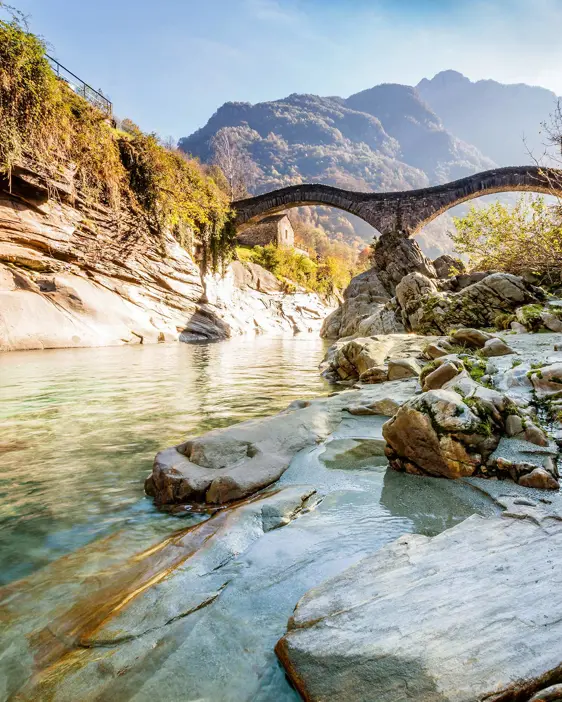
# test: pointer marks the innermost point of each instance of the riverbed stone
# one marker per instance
(539, 478)
(437, 434)
(390, 628)
(442, 374)
(399, 368)
(437, 349)
(473, 338)
(514, 425)
(547, 380)
(387, 401)
(460, 430)
(429, 310)
(229, 464)
(377, 374)
(496, 347)
(351, 358)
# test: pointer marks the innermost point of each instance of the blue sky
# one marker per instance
(169, 64)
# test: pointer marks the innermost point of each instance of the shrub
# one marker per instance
(527, 237)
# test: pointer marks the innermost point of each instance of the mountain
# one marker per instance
(383, 139)
(503, 121)
(389, 137)
(424, 143)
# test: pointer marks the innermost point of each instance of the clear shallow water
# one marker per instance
(80, 428)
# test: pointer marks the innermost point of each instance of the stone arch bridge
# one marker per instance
(406, 211)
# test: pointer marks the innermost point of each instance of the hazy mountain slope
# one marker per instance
(492, 116)
(424, 143)
(310, 138)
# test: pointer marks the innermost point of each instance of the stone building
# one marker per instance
(274, 229)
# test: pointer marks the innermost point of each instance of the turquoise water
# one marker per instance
(80, 428)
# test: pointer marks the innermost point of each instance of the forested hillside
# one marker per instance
(389, 137)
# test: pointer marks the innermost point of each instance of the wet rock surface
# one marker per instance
(453, 618)
(228, 464)
(195, 614)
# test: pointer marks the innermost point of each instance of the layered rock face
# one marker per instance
(72, 275)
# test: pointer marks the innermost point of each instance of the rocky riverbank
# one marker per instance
(72, 274)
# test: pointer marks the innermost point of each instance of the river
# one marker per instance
(80, 430)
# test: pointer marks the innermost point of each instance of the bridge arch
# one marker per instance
(405, 211)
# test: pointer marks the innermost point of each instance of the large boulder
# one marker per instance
(437, 434)
(396, 255)
(427, 310)
(228, 464)
(470, 614)
(365, 310)
(462, 429)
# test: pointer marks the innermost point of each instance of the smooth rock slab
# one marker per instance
(474, 613)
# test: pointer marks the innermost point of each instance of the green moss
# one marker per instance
(516, 362)
(531, 316)
(485, 427)
(504, 320)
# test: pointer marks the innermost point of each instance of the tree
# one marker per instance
(230, 155)
(527, 237)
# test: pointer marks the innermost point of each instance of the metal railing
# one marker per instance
(95, 97)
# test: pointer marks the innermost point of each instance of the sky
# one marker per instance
(169, 64)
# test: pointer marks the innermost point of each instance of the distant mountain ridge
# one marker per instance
(503, 121)
(389, 137)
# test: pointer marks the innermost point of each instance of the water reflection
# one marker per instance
(80, 428)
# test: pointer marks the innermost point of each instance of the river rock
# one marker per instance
(444, 433)
(443, 373)
(437, 349)
(473, 338)
(426, 309)
(377, 374)
(396, 255)
(355, 358)
(391, 627)
(437, 434)
(364, 298)
(549, 695)
(399, 368)
(228, 464)
(392, 395)
(496, 347)
(547, 380)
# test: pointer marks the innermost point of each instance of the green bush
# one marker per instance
(526, 237)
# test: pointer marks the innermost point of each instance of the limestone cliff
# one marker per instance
(74, 274)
